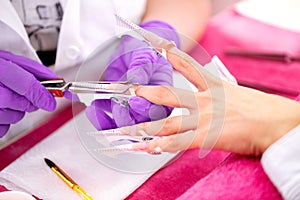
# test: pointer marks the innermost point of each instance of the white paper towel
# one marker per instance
(68, 148)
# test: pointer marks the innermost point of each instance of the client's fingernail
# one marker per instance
(143, 133)
(140, 146)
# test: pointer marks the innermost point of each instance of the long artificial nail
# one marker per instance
(143, 133)
(109, 132)
(140, 146)
(128, 130)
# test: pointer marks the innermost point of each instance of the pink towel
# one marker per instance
(230, 29)
(179, 175)
(239, 177)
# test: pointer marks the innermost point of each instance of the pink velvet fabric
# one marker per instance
(239, 177)
(230, 29)
(179, 175)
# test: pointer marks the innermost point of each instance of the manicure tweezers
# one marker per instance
(88, 91)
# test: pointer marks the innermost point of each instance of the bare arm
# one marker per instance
(188, 17)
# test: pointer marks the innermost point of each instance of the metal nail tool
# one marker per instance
(88, 91)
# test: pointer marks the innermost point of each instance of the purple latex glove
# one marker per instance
(136, 61)
(20, 91)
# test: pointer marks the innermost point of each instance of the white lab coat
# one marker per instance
(87, 27)
(281, 161)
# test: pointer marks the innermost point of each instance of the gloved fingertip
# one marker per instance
(31, 108)
(18, 116)
(99, 119)
(92, 117)
(104, 104)
(157, 112)
(70, 96)
(143, 110)
(169, 110)
(44, 74)
(4, 129)
(163, 29)
(40, 97)
(139, 118)
(122, 115)
(139, 105)
(138, 75)
(48, 104)
(24, 104)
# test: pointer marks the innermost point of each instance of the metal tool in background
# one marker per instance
(260, 54)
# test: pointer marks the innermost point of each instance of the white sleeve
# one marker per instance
(281, 161)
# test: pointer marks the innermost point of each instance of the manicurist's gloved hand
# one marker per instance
(20, 90)
(136, 61)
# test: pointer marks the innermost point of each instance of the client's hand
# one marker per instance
(222, 116)
(139, 63)
(20, 91)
